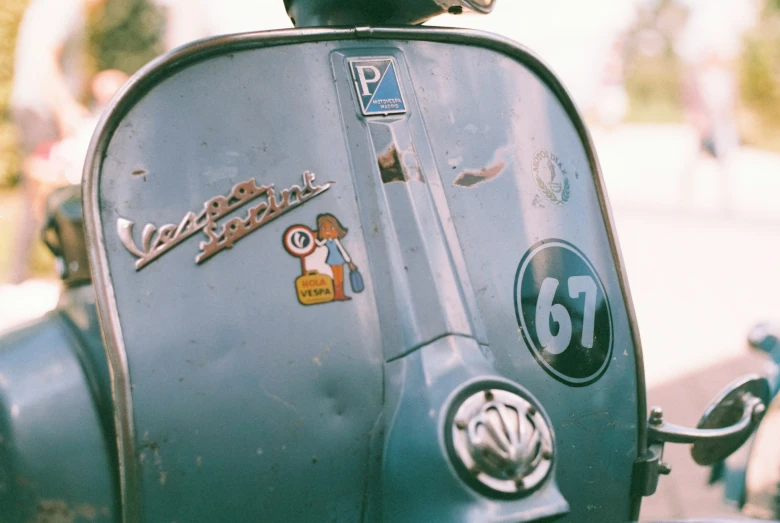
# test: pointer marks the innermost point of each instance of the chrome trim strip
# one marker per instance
(165, 65)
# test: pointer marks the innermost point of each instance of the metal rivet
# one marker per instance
(656, 416)
(664, 468)
(547, 454)
(758, 411)
(461, 424)
(455, 10)
(519, 483)
(489, 395)
(531, 411)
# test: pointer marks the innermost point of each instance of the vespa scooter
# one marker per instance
(359, 270)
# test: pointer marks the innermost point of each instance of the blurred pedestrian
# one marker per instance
(45, 106)
(710, 45)
(69, 154)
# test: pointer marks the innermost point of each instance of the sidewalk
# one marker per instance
(657, 168)
(700, 277)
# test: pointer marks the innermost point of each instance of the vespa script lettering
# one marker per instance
(156, 242)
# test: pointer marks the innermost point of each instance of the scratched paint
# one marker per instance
(472, 178)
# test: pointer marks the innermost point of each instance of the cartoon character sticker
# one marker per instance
(322, 257)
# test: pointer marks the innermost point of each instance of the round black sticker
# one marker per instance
(563, 312)
(299, 241)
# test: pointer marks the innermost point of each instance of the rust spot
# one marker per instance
(53, 511)
(472, 178)
(390, 166)
(59, 511)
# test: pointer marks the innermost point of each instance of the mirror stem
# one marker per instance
(660, 432)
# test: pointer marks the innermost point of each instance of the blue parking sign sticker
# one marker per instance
(376, 83)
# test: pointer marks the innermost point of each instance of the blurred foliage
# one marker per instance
(759, 116)
(653, 73)
(10, 14)
(124, 35)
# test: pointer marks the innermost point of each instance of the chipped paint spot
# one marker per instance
(472, 178)
(53, 511)
(278, 399)
(87, 511)
(139, 171)
(163, 477)
(59, 511)
(390, 166)
(259, 451)
(317, 360)
(199, 461)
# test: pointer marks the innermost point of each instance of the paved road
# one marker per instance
(700, 246)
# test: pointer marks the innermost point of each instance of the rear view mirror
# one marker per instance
(726, 424)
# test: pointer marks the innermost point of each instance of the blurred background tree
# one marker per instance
(121, 34)
(124, 35)
(653, 71)
(759, 117)
(10, 15)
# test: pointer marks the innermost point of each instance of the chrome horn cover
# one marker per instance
(499, 442)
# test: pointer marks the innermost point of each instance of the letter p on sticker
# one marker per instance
(364, 80)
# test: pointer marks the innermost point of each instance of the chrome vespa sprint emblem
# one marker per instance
(376, 83)
(156, 242)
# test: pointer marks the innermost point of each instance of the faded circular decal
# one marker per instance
(563, 312)
(299, 241)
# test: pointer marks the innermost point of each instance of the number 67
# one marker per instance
(545, 308)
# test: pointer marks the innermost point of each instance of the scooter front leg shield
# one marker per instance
(361, 275)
